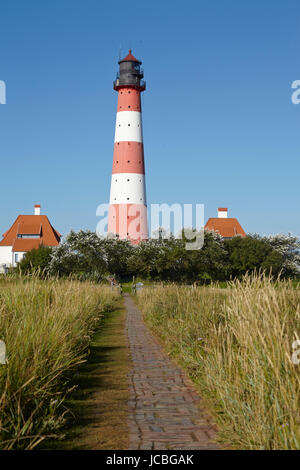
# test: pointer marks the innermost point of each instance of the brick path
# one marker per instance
(164, 405)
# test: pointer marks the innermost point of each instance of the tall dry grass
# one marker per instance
(236, 343)
(47, 327)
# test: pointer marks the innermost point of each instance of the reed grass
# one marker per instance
(236, 344)
(47, 327)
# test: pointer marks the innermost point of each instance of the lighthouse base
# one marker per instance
(128, 221)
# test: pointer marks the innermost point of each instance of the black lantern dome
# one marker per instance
(130, 73)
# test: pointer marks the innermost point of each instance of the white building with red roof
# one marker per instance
(226, 227)
(26, 233)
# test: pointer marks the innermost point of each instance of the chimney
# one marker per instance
(37, 209)
(222, 213)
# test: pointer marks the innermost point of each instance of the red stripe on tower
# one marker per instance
(127, 216)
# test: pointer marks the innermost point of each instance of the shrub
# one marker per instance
(36, 260)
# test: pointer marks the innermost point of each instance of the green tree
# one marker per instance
(209, 263)
(117, 253)
(250, 254)
(143, 259)
(168, 259)
(36, 259)
(90, 257)
(80, 253)
(289, 247)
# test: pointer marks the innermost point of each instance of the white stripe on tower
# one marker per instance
(127, 188)
(129, 127)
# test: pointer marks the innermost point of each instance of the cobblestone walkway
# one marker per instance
(164, 405)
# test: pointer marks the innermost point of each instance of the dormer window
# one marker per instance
(28, 235)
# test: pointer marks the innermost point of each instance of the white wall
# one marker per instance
(6, 255)
(20, 256)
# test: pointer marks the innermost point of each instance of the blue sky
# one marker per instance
(219, 124)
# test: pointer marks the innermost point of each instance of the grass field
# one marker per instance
(98, 409)
(236, 345)
(47, 327)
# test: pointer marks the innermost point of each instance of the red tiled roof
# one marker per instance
(25, 229)
(31, 225)
(130, 57)
(26, 244)
(227, 228)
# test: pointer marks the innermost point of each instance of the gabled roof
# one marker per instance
(130, 58)
(227, 228)
(30, 225)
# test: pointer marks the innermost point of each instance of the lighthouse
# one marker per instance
(127, 217)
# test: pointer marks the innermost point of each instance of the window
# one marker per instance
(28, 235)
(16, 257)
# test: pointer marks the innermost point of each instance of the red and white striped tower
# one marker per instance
(127, 216)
